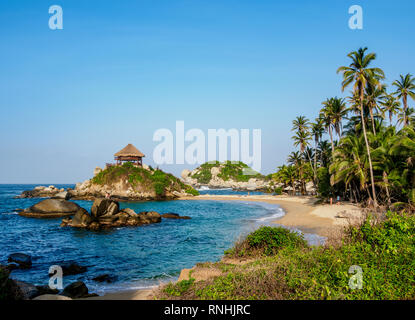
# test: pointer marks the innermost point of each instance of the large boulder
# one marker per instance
(149, 217)
(28, 290)
(104, 207)
(23, 260)
(81, 219)
(51, 208)
(9, 290)
(77, 290)
(65, 195)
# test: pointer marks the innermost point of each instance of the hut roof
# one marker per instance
(129, 151)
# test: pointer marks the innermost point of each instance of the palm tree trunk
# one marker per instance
(373, 120)
(386, 182)
(331, 138)
(367, 148)
(405, 107)
(315, 162)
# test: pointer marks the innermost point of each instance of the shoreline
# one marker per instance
(301, 213)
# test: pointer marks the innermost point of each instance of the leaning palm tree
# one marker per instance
(405, 87)
(359, 73)
(391, 105)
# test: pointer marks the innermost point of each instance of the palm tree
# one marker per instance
(348, 165)
(405, 87)
(375, 93)
(326, 116)
(317, 130)
(391, 105)
(360, 73)
(301, 123)
(338, 112)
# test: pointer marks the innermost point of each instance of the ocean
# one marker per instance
(137, 257)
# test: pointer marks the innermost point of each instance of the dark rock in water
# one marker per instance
(104, 278)
(51, 208)
(76, 290)
(28, 290)
(23, 260)
(171, 215)
(9, 290)
(46, 290)
(104, 207)
(72, 268)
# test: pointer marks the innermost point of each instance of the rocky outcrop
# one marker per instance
(237, 176)
(42, 192)
(126, 182)
(106, 213)
(51, 208)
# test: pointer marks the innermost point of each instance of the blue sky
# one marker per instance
(119, 70)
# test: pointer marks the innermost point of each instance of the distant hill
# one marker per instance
(228, 174)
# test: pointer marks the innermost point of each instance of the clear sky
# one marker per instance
(119, 70)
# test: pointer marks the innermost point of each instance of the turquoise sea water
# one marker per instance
(138, 257)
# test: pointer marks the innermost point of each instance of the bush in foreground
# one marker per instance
(384, 250)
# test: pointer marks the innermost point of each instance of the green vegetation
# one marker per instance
(286, 268)
(372, 159)
(237, 171)
(157, 180)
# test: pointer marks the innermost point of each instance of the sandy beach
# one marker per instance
(300, 212)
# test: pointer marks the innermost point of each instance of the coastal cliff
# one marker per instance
(235, 175)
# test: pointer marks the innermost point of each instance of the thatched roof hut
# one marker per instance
(130, 154)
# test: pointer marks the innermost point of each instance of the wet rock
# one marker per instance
(171, 215)
(24, 261)
(72, 268)
(9, 290)
(51, 208)
(42, 290)
(104, 278)
(28, 290)
(76, 290)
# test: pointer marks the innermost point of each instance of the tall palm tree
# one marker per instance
(405, 87)
(391, 105)
(338, 112)
(360, 73)
(317, 130)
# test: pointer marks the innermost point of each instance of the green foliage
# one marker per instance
(237, 171)
(179, 288)
(384, 250)
(156, 180)
(324, 188)
(271, 239)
